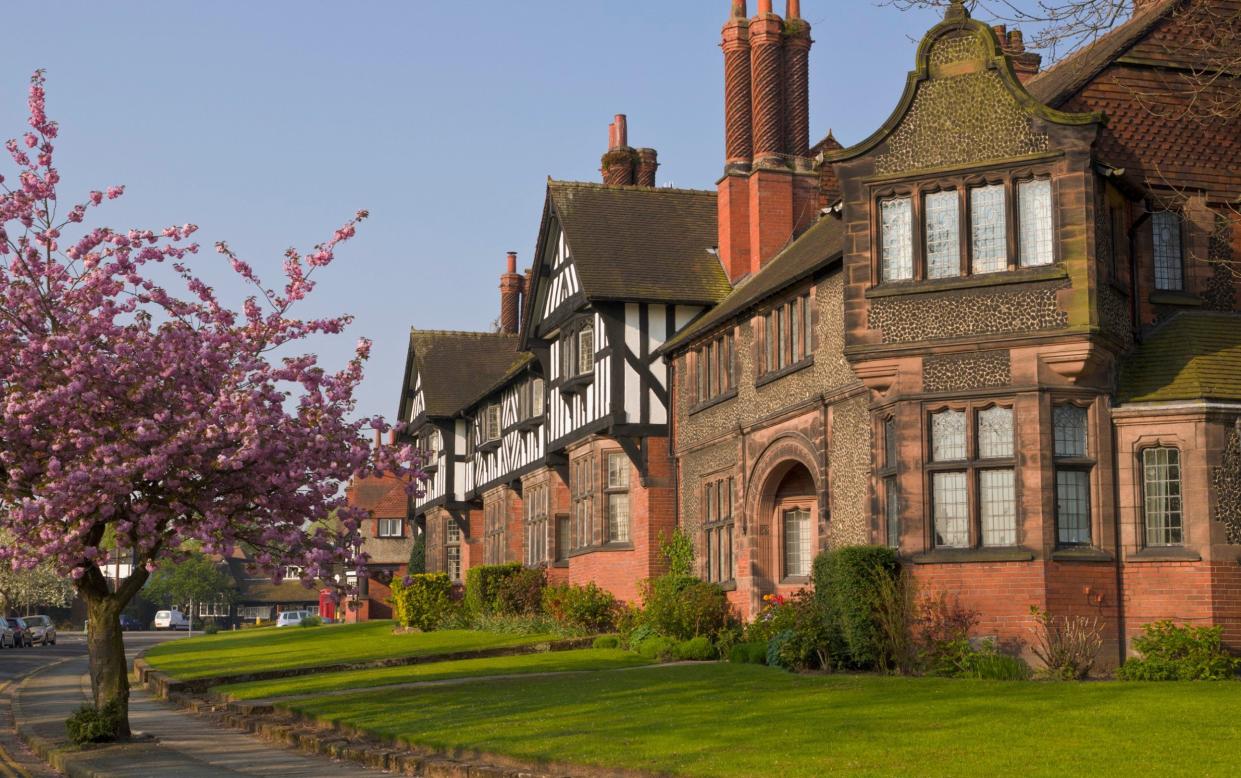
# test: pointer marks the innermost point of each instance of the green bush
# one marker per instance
(776, 616)
(422, 601)
(91, 725)
(678, 552)
(775, 649)
(814, 641)
(606, 641)
(511, 624)
(1173, 653)
(697, 649)
(682, 607)
(521, 593)
(658, 648)
(749, 653)
(482, 586)
(994, 666)
(210, 628)
(846, 579)
(310, 621)
(585, 608)
(960, 658)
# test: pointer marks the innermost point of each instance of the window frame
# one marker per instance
(1144, 493)
(714, 369)
(611, 535)
(783, 508)
(453, 537)
(972, 465)
(719, 528)
(794, 349)
(889, 484)
(494, 531)
(537, 520)
(1178, 220)
(1085, 463)
(383, 528)
(575, 367)
(582, 486)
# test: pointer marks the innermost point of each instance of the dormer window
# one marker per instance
(530, 400)
(491, 423)
(1166, 231)
(577, 355)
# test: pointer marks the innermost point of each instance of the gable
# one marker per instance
(559, 290)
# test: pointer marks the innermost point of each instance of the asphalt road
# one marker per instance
(17, 663)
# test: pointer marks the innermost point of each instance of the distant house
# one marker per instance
(257, 598)
(387, 539)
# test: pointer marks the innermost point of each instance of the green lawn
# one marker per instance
(557, 661)
(249, 651)
(743, 720)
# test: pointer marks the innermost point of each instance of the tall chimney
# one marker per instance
(511, 285)
(738, 116)
(766, 76)
(620, 162)
(648, 163)
(1026, 64)
(797, 44)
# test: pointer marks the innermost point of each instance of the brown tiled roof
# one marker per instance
(1193, 356)
(252, 588)
(818, 246)
(384, 497)
(457, 366)
(524, 358)
(1061, 81)
(641, 244)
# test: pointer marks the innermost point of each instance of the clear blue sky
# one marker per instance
(269, 123)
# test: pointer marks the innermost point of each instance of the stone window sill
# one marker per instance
(577, 383)
(489, 446)
(787, 370)
(794, 580)
(1170, 297)
(714, 401)
(1023, 275)
(952, 556)
(606, 547)
(1082, 554)
(1164, 554)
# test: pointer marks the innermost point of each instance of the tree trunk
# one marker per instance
(109, 673)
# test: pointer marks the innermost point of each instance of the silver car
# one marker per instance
(8, 639)
(42, 630)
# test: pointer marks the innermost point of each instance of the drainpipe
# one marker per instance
(1120, 578)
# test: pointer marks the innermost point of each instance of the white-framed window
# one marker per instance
(213, 609)
(943, 234)
(796, 546)
(617, 491)
(1037, 233)
(253, 612)
(1071, 452)
(896, 239)
(391, 528)
(1161, 496)
(577, 350)
(1166, 234)
(981, 453)
(988, 229)
(491, 423)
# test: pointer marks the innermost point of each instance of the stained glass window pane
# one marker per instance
(989, 229)
(995, 433)
(1167, 233)
(1073, 507)
(896, 217)
(1034, 198)
(1162, 491)
(943, 238)
(1069, 426)
(951, 506)
(948, 436)
(997, 505)
(796, 542)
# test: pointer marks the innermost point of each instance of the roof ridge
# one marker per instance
(630, 187)
(471, 333)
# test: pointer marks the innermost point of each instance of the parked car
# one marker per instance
(130, 623)
(21, 633)
(291, 618)
(42, 630)
(8, 638)
(172, 619)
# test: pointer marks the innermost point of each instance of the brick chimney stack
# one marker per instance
(648, 163)
(511, 288)
(619, 164)
(1026, 64)
(769, 192)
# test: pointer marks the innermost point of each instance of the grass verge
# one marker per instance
(555, 662)
(733, 720)
(253, 651)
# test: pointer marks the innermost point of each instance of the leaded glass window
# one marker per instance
(892, 511)
(1069, 424)
(989, 229)
(618, 497)
(943, 237)
(997, 504)
(948, 436)
(1161, 481)
(1034, 199)
(1166, 227)
(896, 215)
(1073, 507)
(796, 542)
(950, 499)
(995, 433)
(889, 442)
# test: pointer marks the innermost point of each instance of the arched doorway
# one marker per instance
(785, 526)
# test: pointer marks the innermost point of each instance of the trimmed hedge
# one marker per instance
(844, 579)
(422, 601)
(482, 586)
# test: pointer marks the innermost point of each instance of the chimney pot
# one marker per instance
(511, 286)
(512, 262)
(793, 9)
(622, 131)
(764, 7)
(1016, 41)
(1001, 32)
(739, 9)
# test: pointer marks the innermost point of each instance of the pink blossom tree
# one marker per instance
(157, 418)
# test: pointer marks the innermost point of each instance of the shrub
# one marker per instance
(697, 649)
(91, 725)
(606, 641)
(846, 580)
(211, 628)
(943, 634)
(587, 608)
(521, 593)
(678, 552)
(1067, 647)
(749, 653)
(775, 616)
(1172, 653)
(482, 585)
(682, 607)
(896, 612)
(629, 623)
(422, 601)
(994, 666)
(658, 647)
(418, 555)
(775, 649)
(813, 640)
(310, 621)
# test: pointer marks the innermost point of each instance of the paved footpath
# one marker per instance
(183, 745)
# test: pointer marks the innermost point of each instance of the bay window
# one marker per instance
(943, 240)
(577, 350)
(972, 453)
(536, 525)
(582, 492)
(617, 491)
(988, 229)
(493, 532)
(1071, 452)
(1034, 201)
(890, 491)
(896, 226)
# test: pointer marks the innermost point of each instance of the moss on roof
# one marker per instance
(1193, 356)
(457, 366)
